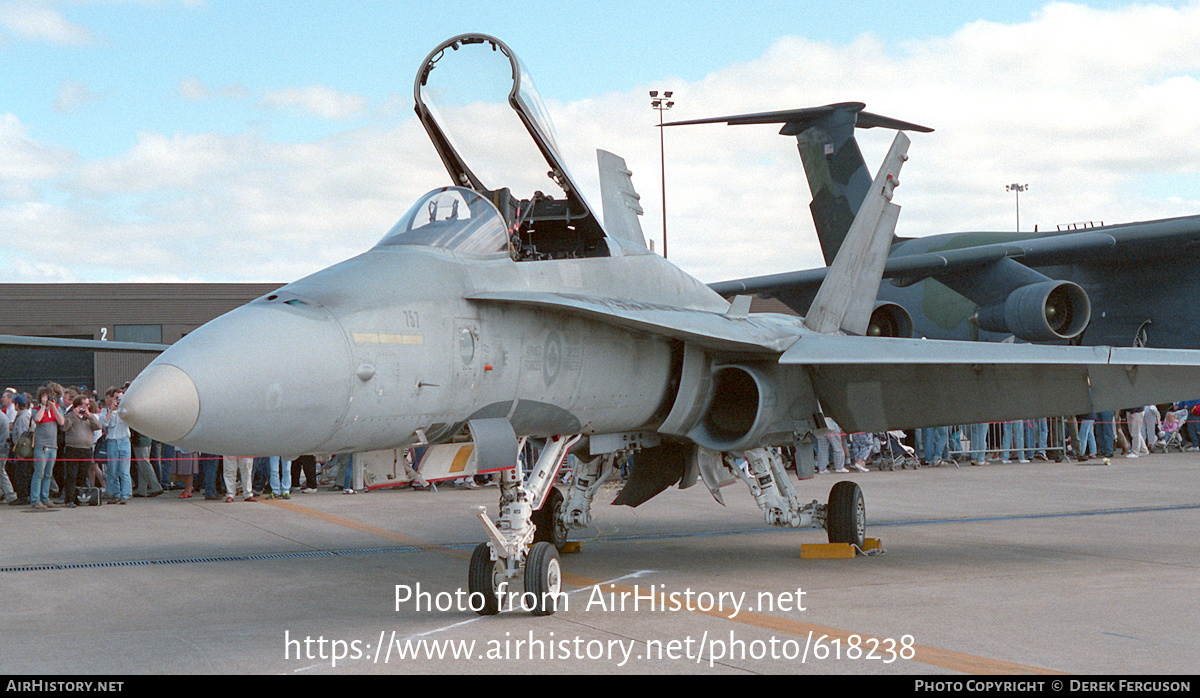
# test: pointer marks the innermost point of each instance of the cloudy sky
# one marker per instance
(212, 140)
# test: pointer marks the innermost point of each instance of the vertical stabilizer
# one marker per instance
(837, 173)
(847, 296)
(619, 200)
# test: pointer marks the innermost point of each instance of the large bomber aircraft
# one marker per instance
(1120, 285)
(495, 314)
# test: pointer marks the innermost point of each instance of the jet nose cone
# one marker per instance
(162, 402)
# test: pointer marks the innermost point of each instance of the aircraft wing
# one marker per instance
(705, 328)
(1031, 252)
(874, 383)
(878, 383)
(807, 280)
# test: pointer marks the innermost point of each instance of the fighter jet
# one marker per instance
(494, 314)
(1124, 285)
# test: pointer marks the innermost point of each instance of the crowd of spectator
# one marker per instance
(69, 445)
(1130, 433)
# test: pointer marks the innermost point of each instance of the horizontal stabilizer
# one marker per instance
(838, 178)
(798, 119)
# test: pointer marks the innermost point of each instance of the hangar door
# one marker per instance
(27, 368)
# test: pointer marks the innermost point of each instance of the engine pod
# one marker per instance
(1041, 312)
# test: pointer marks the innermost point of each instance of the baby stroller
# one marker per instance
(893, 452)
(1172, 426)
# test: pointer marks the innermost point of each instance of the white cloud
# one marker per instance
(24, 160)
(318, 100)
(43, 272)
(158, 163)
(38, 21)
(193, 89)
(41, 20)
(1083, 104)
(211, 207)
(1095, 109)
(73, 95)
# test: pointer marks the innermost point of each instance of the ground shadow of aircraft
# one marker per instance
(1120, 285)
(494, 313)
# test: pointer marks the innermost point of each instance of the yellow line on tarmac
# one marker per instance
(947, 659)
(366, 528)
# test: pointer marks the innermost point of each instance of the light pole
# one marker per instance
(1017, 188)
(662, 104)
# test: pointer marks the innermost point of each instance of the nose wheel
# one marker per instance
(543, 579)
(550, 522)
(486, 581)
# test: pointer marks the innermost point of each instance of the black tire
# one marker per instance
(482, 581)
(548, 521)
(846, 515)
(543, 579)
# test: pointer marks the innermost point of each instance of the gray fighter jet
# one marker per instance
(1124, 285)
(494, 313)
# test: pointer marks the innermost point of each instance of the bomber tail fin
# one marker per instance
(837, 173)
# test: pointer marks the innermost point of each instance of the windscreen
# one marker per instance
(452, 218)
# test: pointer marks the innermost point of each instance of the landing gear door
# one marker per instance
(495, 444)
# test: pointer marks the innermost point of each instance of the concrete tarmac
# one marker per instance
(1028, 569)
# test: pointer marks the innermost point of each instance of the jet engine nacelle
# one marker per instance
(890, 320)
(740, 409)
(1040, 312)
(737, 406)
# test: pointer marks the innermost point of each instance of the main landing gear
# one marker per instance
(518, 567)
(844, 517)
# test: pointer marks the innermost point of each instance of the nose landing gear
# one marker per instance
(515, 569)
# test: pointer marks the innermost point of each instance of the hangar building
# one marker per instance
(151, 313)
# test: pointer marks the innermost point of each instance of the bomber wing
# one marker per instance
(1032, 251)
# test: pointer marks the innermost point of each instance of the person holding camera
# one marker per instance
(46, 419)
(79, 427)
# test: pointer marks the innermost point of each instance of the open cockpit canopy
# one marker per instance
(478, 104)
